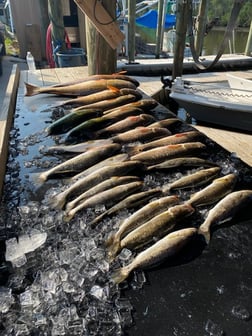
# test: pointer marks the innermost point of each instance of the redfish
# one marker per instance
(79, 89)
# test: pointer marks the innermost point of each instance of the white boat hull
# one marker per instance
(231, 113)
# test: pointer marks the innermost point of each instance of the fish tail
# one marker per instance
(113, 250)
(132, 150)
(110, 240)
(31, 90)
(166, 188)
(68, 216)
(58, 201)
(205, 232)
(120, 274)
(96, 220)
(38, 178)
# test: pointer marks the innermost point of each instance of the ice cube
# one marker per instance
(241, 312)
(213, 329)
(6, 299)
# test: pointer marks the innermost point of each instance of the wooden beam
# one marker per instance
(103, 22)
(6, 119)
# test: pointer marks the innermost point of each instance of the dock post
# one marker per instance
(181, 29)
(248, 49)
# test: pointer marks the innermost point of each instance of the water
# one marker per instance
(236, 44)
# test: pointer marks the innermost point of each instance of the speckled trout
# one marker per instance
(219, 188)
(132, 201)
(104, 185)
(195, 179)
(138, 218)
(189, 161)
(224, 210)
(99, 175)
(78, 148)
(159, 154)
(80, 162)
(105, 197)
(156, 227)
(156, 253)
(168, 140)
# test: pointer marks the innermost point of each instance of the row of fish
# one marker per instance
(113, 144)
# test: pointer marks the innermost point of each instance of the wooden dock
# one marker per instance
(234, 142)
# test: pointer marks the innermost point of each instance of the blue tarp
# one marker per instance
(150, 20)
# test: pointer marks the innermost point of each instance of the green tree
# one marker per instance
(222, 10)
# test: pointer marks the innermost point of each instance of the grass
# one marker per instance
(12, 47)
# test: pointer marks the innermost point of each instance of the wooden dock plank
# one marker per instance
(238, 143)
(6, 118)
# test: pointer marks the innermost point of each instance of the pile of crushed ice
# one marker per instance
(57, 277)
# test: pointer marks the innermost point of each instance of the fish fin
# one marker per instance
(113, 89)
(205, 232)
(31, 90)
(120, 274)
(122, 72)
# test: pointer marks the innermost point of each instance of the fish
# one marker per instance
(146, 104)
(104, 185)
(219, 188)
(105, 197)
(87, 182)
(77, 148)
(79, 89)
(138, 218)
(87, 129)
(166, 247)
(166, 122)
(195, 179)
(140, 133)
(159, 154)
(110, 92)
(122, 112)
(80, 162)
(125, 124)
(117, 75)
(106, 162)
(189, 161)
(225, 210)
(72, 119)
(131, 201)
(155, 228)
(111, 103)
(174, 139)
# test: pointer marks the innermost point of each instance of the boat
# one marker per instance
(239, 83)
(228, 104)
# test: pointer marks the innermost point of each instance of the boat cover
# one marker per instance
(150, 20)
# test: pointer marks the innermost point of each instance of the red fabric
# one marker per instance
(49, 48)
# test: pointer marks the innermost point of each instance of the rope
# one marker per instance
(228, 33)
